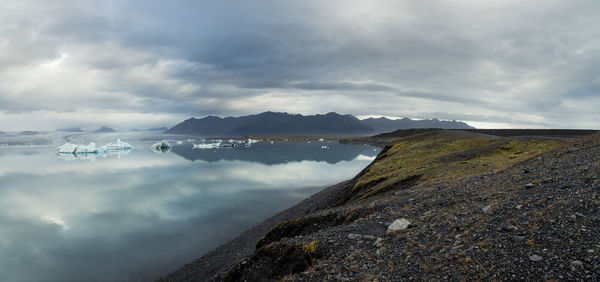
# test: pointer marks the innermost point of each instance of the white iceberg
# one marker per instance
(119, 146)
(70, 148)
(119, 149)
(207, 145)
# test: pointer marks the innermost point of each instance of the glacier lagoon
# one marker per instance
(140, 215)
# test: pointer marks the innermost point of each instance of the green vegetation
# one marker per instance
(441, 156)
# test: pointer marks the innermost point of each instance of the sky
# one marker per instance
(143, 64)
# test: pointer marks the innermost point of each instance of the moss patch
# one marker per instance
(310, 248)
(443, 156)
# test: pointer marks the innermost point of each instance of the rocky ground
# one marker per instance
(536, 219)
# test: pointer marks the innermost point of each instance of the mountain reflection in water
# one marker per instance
(141, 215)
(278, 153)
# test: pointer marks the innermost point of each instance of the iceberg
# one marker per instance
(70, 148)
(119, 146)
(77, 151)
(207, 146)
(162, 147)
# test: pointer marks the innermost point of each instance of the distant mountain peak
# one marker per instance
(105, 129)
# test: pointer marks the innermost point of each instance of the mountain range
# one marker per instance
(70, 129)
(272, 123)
(382, 125)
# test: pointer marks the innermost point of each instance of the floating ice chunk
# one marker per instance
(161, 147)
(207, 146)
(69, 148)
(120, 145)
(251, 141)
(325, 147)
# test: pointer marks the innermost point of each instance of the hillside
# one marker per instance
(69, 129)
(381, 125)
(270, 123)
(105, 129)
(475, 207)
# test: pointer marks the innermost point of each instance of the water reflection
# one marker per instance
(93, 156)
(278, 153)
(141, 216)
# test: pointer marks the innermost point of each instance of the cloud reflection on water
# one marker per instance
(139, 216)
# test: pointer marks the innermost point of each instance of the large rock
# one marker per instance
(398, 224)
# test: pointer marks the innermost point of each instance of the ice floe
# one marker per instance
(162, 147)
(76, 149)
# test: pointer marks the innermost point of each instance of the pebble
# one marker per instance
(535, 258)
(529, 185)
(486, 208)
(378, 242)
(398, 224)
(576, 263)
(354, 236)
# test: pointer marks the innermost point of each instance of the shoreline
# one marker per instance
(211, 264)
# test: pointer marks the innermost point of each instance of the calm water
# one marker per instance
(140, 215)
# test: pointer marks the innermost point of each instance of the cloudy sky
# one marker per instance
(140, 64)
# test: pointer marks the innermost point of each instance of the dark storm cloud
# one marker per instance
(513, 61)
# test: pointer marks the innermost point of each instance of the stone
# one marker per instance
(535, 258)
(486, 208)
(378, 242)
(398, 224)
(576, 263)
(529, 185)
(354, 236)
